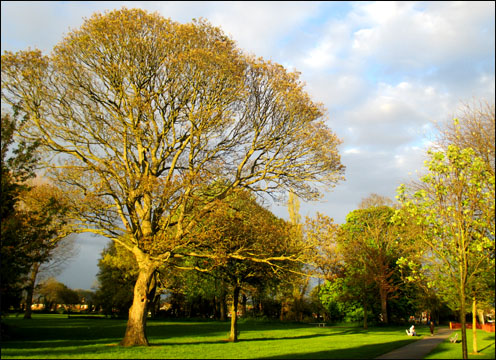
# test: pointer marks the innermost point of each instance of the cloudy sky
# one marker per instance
(386, 71)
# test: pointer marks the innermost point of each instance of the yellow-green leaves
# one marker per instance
(145, 113)
(456, 208)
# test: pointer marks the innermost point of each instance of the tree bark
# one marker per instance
(223, 306)
(383, 293)
(233, 337)
(243, 304)
(463, 326)
(283, 310)
(480, 314)
(153, 297)
(136, 325)
(474, 327)
(462, 267)
(30, 290)
(365, 326)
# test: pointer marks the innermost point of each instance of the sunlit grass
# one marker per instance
(447, 350)
(52, 336)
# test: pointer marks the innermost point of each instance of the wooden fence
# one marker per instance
(489, 327)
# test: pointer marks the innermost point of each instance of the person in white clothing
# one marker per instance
(412, 331)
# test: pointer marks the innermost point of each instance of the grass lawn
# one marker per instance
(447, 350)
(56, 336)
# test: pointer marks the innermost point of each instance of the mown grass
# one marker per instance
(56, 336)
(447, 350)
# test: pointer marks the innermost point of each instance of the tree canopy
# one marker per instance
(140, 112)
(456, 210)
(18, 163)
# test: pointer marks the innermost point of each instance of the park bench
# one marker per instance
(319, 324)
(454, 338)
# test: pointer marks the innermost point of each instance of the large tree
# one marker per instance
(371, 243)
(456, 208)
(43, 214)
(18, 164)
(141, 112)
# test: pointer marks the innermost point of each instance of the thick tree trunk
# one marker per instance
(136, 324)
(474, 327)
(30, 290)
(384, 294)
(234, 315)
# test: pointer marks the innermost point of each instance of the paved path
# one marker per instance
(420, 348)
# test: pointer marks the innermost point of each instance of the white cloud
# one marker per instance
(352, 151)
(257, 26)
(321, 56)
(403, 35)
(385, 70)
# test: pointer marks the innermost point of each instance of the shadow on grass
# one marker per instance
(486, 347)
(309, 336)
(241, 340)
(358, 352)
(65, 334)
(85, 338)
(61, 352)
(168, 329)
(87, 349)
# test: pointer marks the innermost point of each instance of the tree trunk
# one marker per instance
(243, 305)
(464, 326)
(153, 297)
(136, 324)
(216, 306)
(365, 326)
(234, 315)
(283, 310)
(30, 290)
(480, 314)
(260, 307)
(474, 327)
(383, 294)
(223, 306)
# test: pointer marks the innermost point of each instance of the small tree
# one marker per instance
(246, 244)
(475, 129)
(116, 279)
(456, 208)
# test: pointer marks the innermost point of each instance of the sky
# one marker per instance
(385, 71)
